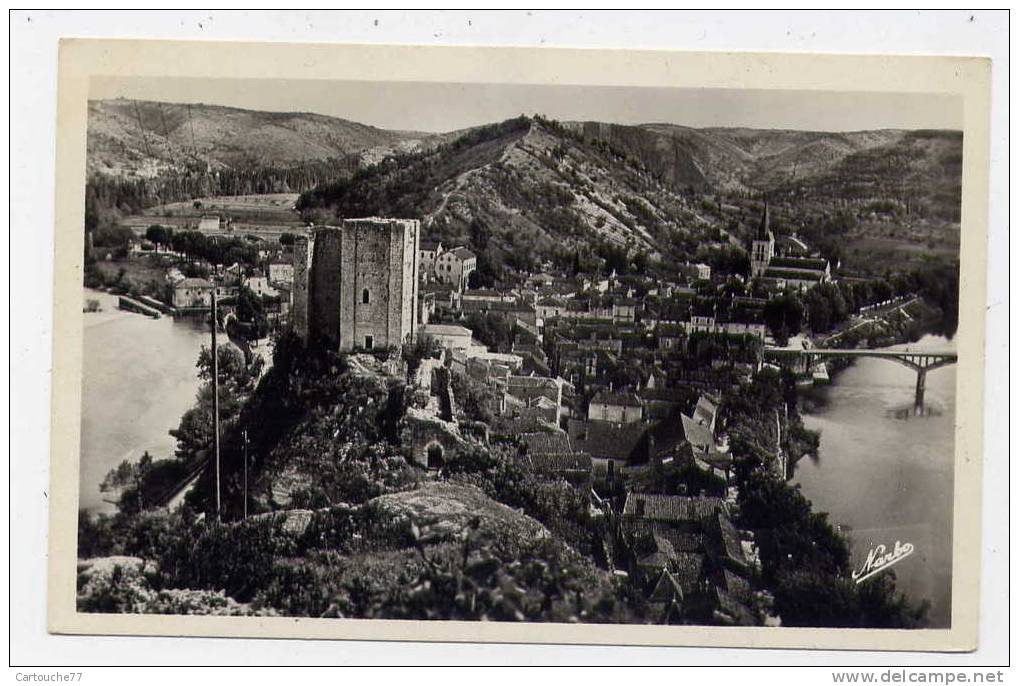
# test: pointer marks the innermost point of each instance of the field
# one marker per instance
(865, 255)
(266, 216)
(137, 275)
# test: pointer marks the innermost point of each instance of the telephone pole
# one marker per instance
(245, 473)
(215, 400)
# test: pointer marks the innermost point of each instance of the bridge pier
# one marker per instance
(921, 385)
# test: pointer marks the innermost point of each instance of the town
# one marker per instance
(613, 385)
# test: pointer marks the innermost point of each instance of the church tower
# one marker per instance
(763, 246)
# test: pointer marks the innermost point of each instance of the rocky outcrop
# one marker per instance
(442, 510)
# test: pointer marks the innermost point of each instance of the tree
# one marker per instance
(641, 262)
(287, 239)
(819, 312)
(158, 234)
(128, 478)
(784, 315)
(251, 311)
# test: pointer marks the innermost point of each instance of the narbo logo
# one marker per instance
(879, 559)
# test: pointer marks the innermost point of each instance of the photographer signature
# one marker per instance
(880, 558)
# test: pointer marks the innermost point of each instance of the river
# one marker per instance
(138, 378)
(885, 474)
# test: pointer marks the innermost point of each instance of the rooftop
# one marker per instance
(607, 440)
(620, 399)
(194, 282)
(797, 274)
(446, 330)
(543, 442)
(671, 508)
(817, 263)
(558, 462)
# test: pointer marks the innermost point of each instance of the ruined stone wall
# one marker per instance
(364, 270)
(362, 284)
(403, 280)
(324, 286)
(303, 248)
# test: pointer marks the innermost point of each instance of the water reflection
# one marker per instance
(885, 472)
(138, 378)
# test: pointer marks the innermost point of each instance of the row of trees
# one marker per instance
(195, 246)
(105, 194)
(827, 305)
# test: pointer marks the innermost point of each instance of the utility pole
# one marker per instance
(245, 473)
(215, 399)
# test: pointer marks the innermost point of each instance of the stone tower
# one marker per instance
(763, 246)
(360, 284)
(303, 247)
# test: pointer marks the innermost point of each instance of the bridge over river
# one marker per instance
(921, 361)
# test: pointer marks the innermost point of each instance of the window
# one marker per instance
(369, 342)
(365, 297)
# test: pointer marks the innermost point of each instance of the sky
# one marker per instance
(441, 107)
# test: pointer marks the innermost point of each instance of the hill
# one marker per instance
(527, 191)
(135, 138)
(916, 173)
(830, 165)
(524, 190)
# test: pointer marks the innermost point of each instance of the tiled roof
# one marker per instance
(696, 433)
(194, 282)
(556, 463)
(687, 568)
(532, 382)
(671, 508)
(706, 409)
(445, 330)
(544, 442)
(522, 421)
(682, 541)
(463, 253)
(609, 441)
(618, 399)
(813, 263)
(800, 274)
(730, 539)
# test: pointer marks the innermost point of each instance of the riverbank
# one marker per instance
(884, 473)
(909, 323)
(138, 379)
(903, 324)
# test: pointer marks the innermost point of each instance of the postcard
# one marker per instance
(518, 345)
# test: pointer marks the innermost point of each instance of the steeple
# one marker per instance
(764, 230)
(763, 246)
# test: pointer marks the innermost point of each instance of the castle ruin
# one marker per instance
(356, 285)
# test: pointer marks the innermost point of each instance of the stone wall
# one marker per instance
(303, 248)
(324, 286)
(362, 284)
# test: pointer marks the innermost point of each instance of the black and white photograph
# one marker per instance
(504, 352)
